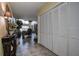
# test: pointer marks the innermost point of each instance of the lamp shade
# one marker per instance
(8, 14)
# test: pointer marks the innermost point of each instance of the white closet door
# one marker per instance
(41, 35)
(39, 29)
(59, 30)
(42, 29)
(44, 34)
(63, 30)
(74, 28)
(45, 31)
(47, 40)
(48, 31)
(54, 28)
(44, 21)
(50, 43)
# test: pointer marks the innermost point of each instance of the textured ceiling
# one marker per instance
(25, 9)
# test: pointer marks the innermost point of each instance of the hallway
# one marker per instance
(56, 25)
(27, 47)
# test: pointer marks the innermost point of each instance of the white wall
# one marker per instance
(58, 29)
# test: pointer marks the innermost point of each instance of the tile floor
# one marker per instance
(27, 47)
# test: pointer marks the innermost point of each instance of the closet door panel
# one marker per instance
(45, 29)
(63, 29)
(59, 17)
(73, 28)
(41, 30)
(50, 34)
(74, 19)
(54, 20)
(74, 47)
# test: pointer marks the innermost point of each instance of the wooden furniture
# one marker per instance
(9, 41)
(9, 45)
